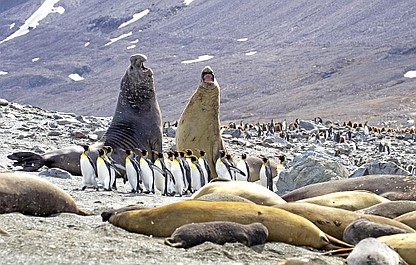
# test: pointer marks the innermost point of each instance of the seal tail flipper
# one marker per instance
(28, 160)
(335, 243)
(83, 212)
(170, 242)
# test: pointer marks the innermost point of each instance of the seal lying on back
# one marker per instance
(136, 123)
(191, 235)
(32, 195)
(392, 187)
(199, 124)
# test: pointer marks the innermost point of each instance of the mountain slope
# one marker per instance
(273, 59)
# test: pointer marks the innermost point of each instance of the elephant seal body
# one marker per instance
(199, 124)
(190, 235)
(404, 244)
(162, 221)
(363, 228)
(248, 190)
(347, 200)
(32, 195)
(392, 187)
(390, 209)
(333, 221)
(136, 123)
(373, 251)
(408, 219)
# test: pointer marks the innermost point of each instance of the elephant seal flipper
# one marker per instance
(199, 124)
(136, 123)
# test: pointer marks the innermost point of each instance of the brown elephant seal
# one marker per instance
(33, 195)
(363, 228)
(162, 221)
(390, 209)
(136, 123)
(404, 244)
(373, 251)
(191, 235)
(105, 216)
(333, 221)
(248, 190)
(408, 219)
(392, 187)
(199, 124)
(347, 200)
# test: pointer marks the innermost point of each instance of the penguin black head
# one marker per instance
(129, 152)
(264, 159)
(100, 152)
(228, 156)
(202, 152)
(222, 153)
(108, 149)
(244, 156)
(182, 153)
(86, 147)
(188, 152)
(193, 158)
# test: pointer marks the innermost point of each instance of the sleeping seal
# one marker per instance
(191, 235)
(31, 195)
(136, 123)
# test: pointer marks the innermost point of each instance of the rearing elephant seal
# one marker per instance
(137, 123)
(199, 124)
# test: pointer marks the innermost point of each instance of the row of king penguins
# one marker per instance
(179, 173)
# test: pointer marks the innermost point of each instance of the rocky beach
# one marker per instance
(312, 155)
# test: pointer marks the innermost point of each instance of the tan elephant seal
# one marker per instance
(191, 235)
(199, 124)
(162, 221)
(392, 187)
(33, 195)
(347, 200)
(408, 219)
(333, 221)
(137, 123)
(404, 244)
(223, 197)
(248, 190)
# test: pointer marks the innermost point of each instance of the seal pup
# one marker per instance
(373, 251)
(392, 187)
(363, 228)
(136, 123)
(199, 124)
(191, 235)
(31, 195)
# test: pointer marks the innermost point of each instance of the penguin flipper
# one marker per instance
(28, 160)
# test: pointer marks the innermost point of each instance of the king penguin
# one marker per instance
(203, 161)
(106, 174)
(88, 169)
(133, 172)
(243, 166)
(178, 173)
(222, 167)
(146, 173)
(266, 178)
(197, 175)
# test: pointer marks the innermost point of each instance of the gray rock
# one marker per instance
(3, 102)
(56, 173)
(277, 141)
(54, 133)
(310, 168)
(307, 125)
(379, 167)
(235, 133)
